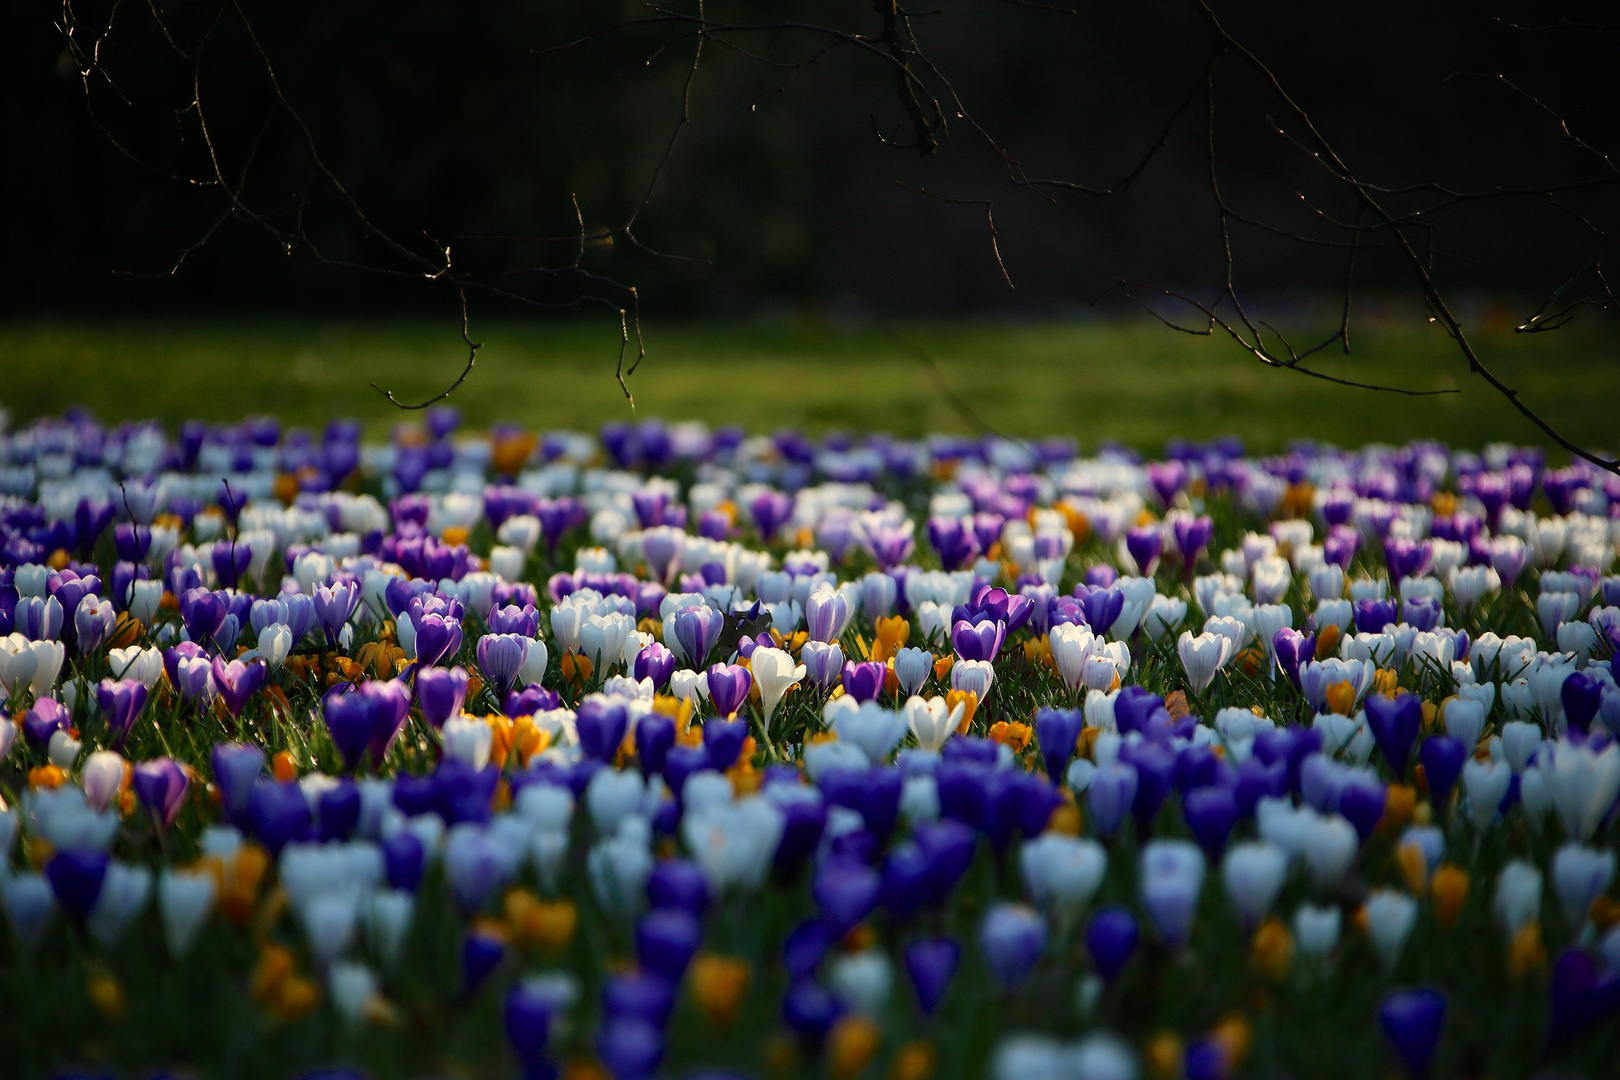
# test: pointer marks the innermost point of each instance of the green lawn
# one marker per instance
(1133, 382)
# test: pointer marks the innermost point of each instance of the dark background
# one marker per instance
(448, 120)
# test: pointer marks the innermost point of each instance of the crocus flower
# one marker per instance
(441, 692)
(728, 688)
(501, 656)
(601, 724)
(1058, 731)
(237, 682)
(161, 784)
(931, 963)
(335, 605)
(697, 630)
(1011, 938)
(1413, 1021)
(774, 673)
(1395, 723)
(1581, 998)
(827, 613)
(1443, 758)
(121, 703)
(1172, 878)
(528, 1014)
(864, 681)
(1203, 656)
(101, 777)
(76, 878)
(654, 662)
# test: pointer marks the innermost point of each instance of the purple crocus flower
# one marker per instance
(501, 656)
(43, 719)
(723, 742)
(728, 688)
(528, 1013)
(1145, 542)
(1406, 558)
(1373, 615)
(236, 682)
(1443, 759)
(1192, 536)
(630, 1047)
(1582, 695)
(666, 940)
(601, 725)
(654, 662)
(508, 619)
(439, 637)
(532, 699)
(1413, 1021)
(978, 641)
(655, 734)
(1340, 545)
(931, 963)
(1293, 650)
(194, 678)
(845, 893)
(334, 606)
(1394, 723)
(231, 561)
(441, 692)
(1102, 605)
(1111, 937)
(954, 541)
(678, 883)
(889, 544)
(121, 702)
(1058, 730)
(203, 611)
(1112, 793)
(161, 785)
(770, 511)
(697, 631)
(1362, 803)
(236, 770)
(1011, 938)
(864, 681)
(93, 622)
(810, 1010)
(481, 954)
(1167, 478)
(76, 878)
(1581, 998)
(1211, 812)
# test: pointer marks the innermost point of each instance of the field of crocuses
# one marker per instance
(678, 752)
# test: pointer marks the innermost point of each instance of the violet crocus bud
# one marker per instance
(823, 664)
(654, 662)
(441, 692)
(931, 963)
(237, 682)
(1413, 1021)
(864, 681)
(236, 770)
(1394, 723)
(121, 703)
(1172, 878)
(501, 655)
(161, 786)
(728, 688)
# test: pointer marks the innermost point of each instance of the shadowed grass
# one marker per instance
(1132, 382)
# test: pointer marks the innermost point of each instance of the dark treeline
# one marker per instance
(463, 125)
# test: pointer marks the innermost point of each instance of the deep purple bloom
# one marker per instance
(121, 702)
(678, 883)
(161, 786)
(640, 995)
(1406, 558)
(480, 955)
(1145, 542)
(845, 893)
(277, 813)
(1293, 649)
(666, 940)
(527, 1015)
(203, 612)
(1111, 939)
(931, 963)
(43, 719)
(770, 512)
(1373, 615)
(1362, 804)
(1058, 730)
(728, 688)
(1211, 812)
(630, 1048)
(654, 662)
(441, 692)
(864, 681)
(338, 810)
(1394, 723)
(1413, 1021)
(655, 734)
(1443, 759)
(723, 742)
(953, 539)
(1581, 999)
(601, 726)
(76, 878)
(334, 606)
(404, 860)
(1340, 545)
(439, 637)
(1102, 605)
(1167, 478)
(810, 1010)
(977, 641)
(1192, 537)
(1581, 694)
